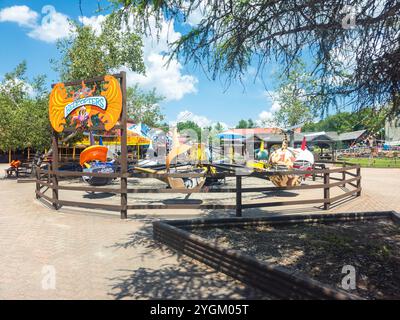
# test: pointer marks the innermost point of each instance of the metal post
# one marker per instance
(238, 196)
(54, 167)
(124, 151)
(326, 191)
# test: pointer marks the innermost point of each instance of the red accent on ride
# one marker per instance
(304, 144)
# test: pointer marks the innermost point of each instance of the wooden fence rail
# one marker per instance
(275, 280)
(49, 179)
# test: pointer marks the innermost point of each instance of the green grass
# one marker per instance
(375, 162)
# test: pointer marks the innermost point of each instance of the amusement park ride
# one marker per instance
(186, 167)
(284, 159)
(85, 110)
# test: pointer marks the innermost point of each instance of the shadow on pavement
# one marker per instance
(186, 280)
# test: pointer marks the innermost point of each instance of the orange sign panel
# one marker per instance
(83, 109)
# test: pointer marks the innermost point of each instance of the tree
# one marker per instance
(143, 106)
(369, 119)
(340, 122)
(295, 98)
(23, 108)
(190, 125)
(245, 124)
(87, 54)
(242, 124)
(354, 44)
(218, 128)
(250, 123)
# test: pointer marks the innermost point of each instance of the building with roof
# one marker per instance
(248, 131)
(325, 141)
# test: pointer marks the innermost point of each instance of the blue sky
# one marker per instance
(29, 34)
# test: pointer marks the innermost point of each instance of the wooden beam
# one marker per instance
(90, 80)
(54, 168)
(124, 150)
(238, 196)
(326, 191)
(359, 181)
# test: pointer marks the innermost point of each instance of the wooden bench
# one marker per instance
(9, 172)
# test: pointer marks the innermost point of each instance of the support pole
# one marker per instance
(124, 151)
(37, 175)
(344, 179)
(326, 191)
(359, 181)
(238, 196)
(291, 138)
(55, 168)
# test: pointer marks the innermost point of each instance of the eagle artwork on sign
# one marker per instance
(82, 108)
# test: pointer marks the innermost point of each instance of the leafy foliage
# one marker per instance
(143, 106)
(368, 118)
(218, 128)
(355, 44)
(190, 125)
(245, 124)
(23, 107)
(295, 97)
(87, 54)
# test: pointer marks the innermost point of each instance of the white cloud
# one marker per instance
(273, 99)
(200, 120)
(54, 26)
(169, 80)
(196, 14)
(7, 85)
(22, 15)
(93, 21)
(266, 117)
(29, 89)
(275, 106)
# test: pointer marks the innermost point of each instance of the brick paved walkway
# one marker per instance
(103, 257)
